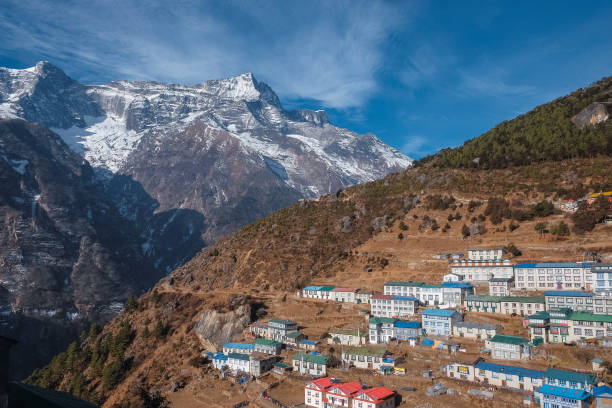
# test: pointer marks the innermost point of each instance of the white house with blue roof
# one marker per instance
(602, 396)
(219, 361)
(449, 294)
(570, 379)
(439, 322)
(242, 348)
(569, 299)
(602, 272)
(552, 396)
(553, 276)
(406, 330)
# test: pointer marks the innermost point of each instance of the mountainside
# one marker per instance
(576, 125)
(218, 148)
(350, 238)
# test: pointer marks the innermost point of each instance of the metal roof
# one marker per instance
(238, 356)
(310, 358)
(246, 346)
(499, 368)
(564, 392)
(571, 293)
(590, 317)
(439, 312)
(524, 299)
(376, 320)
(570, 376)
(553, 265)
(406, 324)
(312, 288)
(507, 339)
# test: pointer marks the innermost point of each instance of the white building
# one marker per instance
(393, 306)
(439, 322)
(500, 286)
(343, 295)
(482, 271)
(238, 362)
(449, 294)
(498, 375)
(485, 254)
(366, 358)
(553, 276)
(602, 272)
(329, 393)
(381, 329)
(505, 347)
(348, 337)
(242, 348)
(472, 330)
(309, 364)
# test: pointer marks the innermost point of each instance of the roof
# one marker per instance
(312, 288)
(365, 351)
(406, 324)
(410, 298)
(439, 312)
(540, 316)
(246, 346)
(306, 341)
(281, 365)
(553, 265)
(457, 285)
(507, 339)
(54, 398)
(310, 358)
(238, 356)
(590, 317)
(378, 393)
(602, 390)
(483, 298)
(571, 293)
(501, 279)
(474, 325)
(220, 356)
(327, 288)
(597, 360)
(524, 299)
(324, 382)
(267, 342)
(350, 332)
(570, 376)
(350, 387)
(294, 335)
(282, 321)
(381, 296)
(564, 392)
(377, 320)
(344, 290)
(602, 267)
(506, 369)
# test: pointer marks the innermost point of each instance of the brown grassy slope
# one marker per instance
(305, 244)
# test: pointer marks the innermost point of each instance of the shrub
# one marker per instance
(160, 330)
(403, 226)
(473, 204)
(513, 226)
(543, 209)
(497, 209)
(400, 236)
(130, 305)
(465, 231)
(560, 229)
(438, 202)
(112, 374)
(155, 297)
(541, 227)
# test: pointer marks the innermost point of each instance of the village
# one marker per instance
(490, 318)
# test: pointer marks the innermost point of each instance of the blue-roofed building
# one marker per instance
(219, 361)
(239, 362)
(498, 375)
(473, 330)
(404, 330)
(553, 276)
(242, 348)
(571, 299)
(552, 396)
(439, 322)
(393, 306)
(602, 273)
(602, 396)
(311, 292)
(307, 344)
(449, 294)
(570, 379)
(481, 271)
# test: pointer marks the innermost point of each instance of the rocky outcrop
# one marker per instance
(593, 114)
(216, 327)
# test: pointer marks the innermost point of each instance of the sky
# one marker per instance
(421, 75)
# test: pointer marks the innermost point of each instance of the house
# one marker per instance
(583, 325)
(472, 330)
(393, 306)
(293, 339)
(267, 346)
(381, 329)
(485, 254)
(482, 271)
(598, 364)
(278, 329)
(447, 293)
(307, 344)
(309, 364)
(553, 275)
(482, 303)
(505, 347)
(315, 390)
(452, 277)
(602, 273)
(566, 326)
(317, 292)
(219, 361)
(575, 300)
(460, 371)
(260, 363)
(281, 368)
(242, 348)
(453, 293)
(342, 394)
(365, 357)
(343, 295)
(405, 330)
(376, 397)
(570, 379)
(439, 322)
(539, 326)
(238, 363)
(348, 337)
(364, 295)
(602, 396)
(500, 286)
(259, 329)
(559, 397)
(506, 376)
(522, 305)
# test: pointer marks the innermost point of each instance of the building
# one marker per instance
(569, 379)
(317, 292)
(219, 361)
(329, 392)
(583, 326)
(500, 286)
(472, 330)
(439, 322)
(278, 329)
(522, 305)
(267, 346)
(452, 277)
(575, 300)
(309, 364)
(486, 254)
(342, 394)
(381, 329)
(242, 348)
(393, 306)
(294, 338)
(602, 396)
(308, 344)
(314, 392)
(238, 363)
(348, 337)
(363, 296)
(482, 271)
(449, 294)
(559, 397)
(343, 295)
(260, 363)
(482, 303)
(553, 276)
(377, 397)
(567, 326)
(453, 293)
(366, 358)
(602, 273)
(405, 330)
(505, 347)
(259, 329)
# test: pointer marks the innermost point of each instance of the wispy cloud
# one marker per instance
(326, 51)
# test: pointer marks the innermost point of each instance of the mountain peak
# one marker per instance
(242, 87)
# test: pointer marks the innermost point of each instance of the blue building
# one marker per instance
(439, 322)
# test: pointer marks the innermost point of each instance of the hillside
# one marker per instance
(349, 238)
(576, 125)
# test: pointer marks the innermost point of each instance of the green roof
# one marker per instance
(539, 315)
(570, 376)
(294, 335)
(376, 320)
(267, 342)
(483, 298)
(350, 332)
(327, 288)
(365, 351)
(524, 299)
(310, 358)
(590, 317)
(506, 339)
(282, 365)
(282, 321)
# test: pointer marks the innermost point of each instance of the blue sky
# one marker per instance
(421, 75)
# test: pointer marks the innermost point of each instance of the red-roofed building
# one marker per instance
(343, 295)
(340, 395)
(379, 397)
(314, 391)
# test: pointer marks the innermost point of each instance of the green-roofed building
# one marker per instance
(365, 357)
(505, 347)
(570, 379)
(268, 346)
(278, 329)
(482, 303)
(309, 364)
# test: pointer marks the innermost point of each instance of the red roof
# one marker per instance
(378, 394)
(350, 387)
(324, 382)
(344, 290)
(386, 297)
